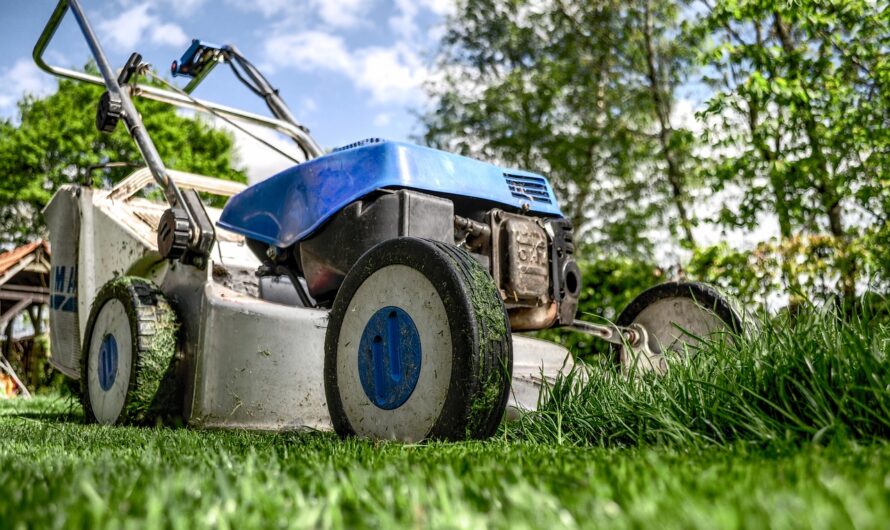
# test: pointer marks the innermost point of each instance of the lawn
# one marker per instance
(811, 451)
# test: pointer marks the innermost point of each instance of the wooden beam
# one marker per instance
(30, 297)
(13, 311)
(26, 289)
(24, 262)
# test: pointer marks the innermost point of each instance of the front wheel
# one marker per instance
(128, 372)
(418, 346)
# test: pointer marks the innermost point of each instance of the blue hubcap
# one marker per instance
(389, 358)
(107, 362)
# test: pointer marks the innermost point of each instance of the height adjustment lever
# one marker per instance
(109, 112)
(110, 109)
(134, 63)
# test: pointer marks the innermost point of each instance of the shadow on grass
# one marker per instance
(50, 416)
(54, 409)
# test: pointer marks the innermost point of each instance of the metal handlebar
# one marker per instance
(192, 246)
(158, 94)
(196, 238)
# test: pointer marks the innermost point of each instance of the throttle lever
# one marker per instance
(131, 67)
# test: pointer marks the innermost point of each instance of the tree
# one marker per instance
(56, 142)
(581, 92)
(801, 106)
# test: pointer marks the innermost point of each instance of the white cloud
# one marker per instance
(329, 13)
(169, 34)
(342, 13)
(260, 161)
(440, 7)
(309, 50)
(128, 29)
(23, 78)
(267, 8)
(383, 119)
(186, 7)
(404, 22)
(391, 74)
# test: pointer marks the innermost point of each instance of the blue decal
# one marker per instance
(72, 279)
(64, 292)
(107, 362)
(60, 302)
(389, 358)
(59, 275)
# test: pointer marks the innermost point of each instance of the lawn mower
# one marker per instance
(377, 289)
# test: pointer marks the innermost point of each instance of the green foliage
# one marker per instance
(753, 276)
(56, 141)
(748, 276)
(800, 115)
(610, 284)
(795, 128)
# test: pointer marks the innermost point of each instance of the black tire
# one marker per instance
(475, 395)
(704, 295)
(151, 393)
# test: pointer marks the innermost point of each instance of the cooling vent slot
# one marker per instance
(360, 143)
(528, 188)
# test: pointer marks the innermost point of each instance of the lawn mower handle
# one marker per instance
(110, 82)
(291, 130)
(193, 236)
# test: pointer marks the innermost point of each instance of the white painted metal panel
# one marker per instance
(260, 364)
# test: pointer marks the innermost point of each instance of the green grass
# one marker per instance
(786, 430)
(818, 378)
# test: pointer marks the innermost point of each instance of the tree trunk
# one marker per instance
(7, 347)
(830, 199)
(662, 111)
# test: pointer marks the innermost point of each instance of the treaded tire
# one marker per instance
(151, 393)
(481, 344)
(705, 294)
(702, 294)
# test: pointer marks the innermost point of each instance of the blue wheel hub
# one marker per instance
(389, 357)
(107, 362)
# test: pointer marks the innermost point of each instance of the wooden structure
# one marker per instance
(24, 286)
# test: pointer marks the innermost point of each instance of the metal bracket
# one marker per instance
(197, 62)
(609, 333)
(635, 355)
(638, 359)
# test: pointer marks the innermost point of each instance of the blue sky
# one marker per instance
(349, 69)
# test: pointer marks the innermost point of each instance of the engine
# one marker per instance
(532, 262)
(530, 257)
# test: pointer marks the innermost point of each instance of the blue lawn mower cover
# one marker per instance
(291, 205)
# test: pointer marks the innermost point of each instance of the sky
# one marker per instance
(348, 69)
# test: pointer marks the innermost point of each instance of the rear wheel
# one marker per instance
(129, 353)
(418, 346)
(677, 317)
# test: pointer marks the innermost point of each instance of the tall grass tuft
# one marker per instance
(814, 377)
